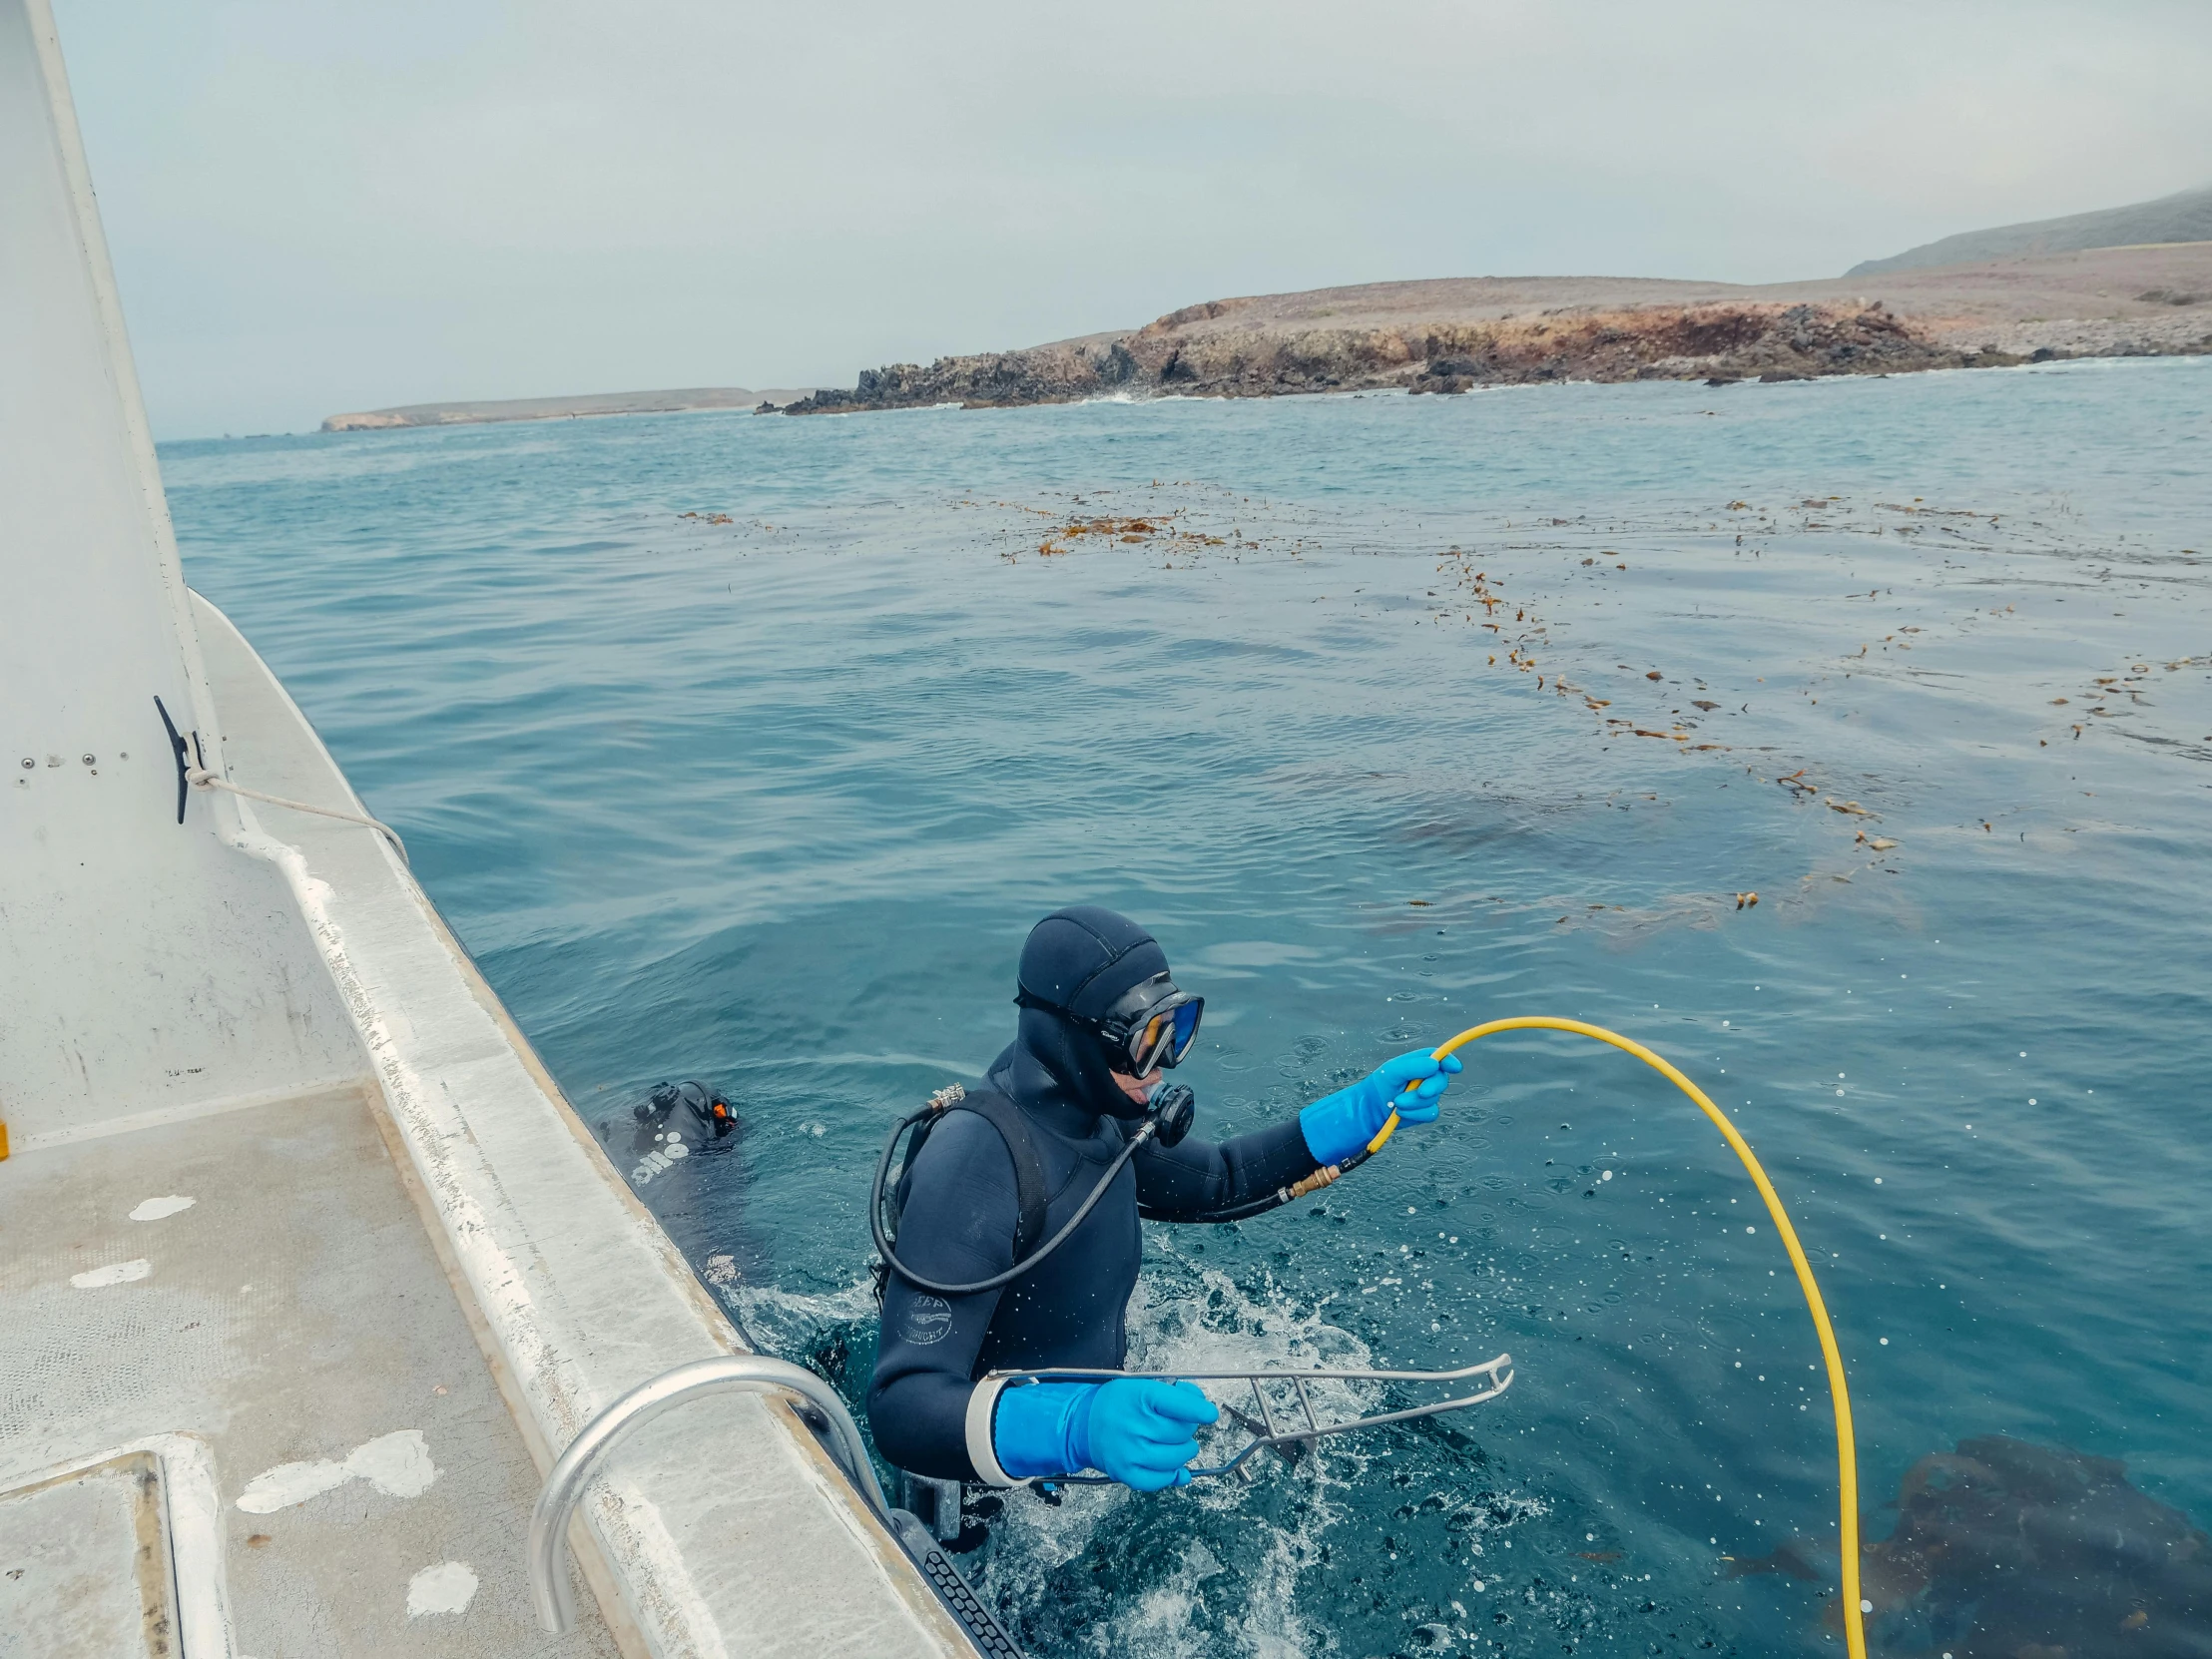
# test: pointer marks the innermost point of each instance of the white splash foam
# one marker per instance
(115, 1272)
(156, 1209)
(785, 1322)
(447, 1588)
(396, 1464)
(1190, 1316)
(1187, 1317)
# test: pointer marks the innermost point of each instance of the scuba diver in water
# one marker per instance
(1072, 1138)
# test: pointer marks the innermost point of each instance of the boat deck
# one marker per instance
(296, 1316)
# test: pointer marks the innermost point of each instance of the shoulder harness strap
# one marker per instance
(1013, 1126)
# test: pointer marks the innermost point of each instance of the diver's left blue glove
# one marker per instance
(1340, 1124)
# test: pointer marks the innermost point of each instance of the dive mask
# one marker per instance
(1153, 1024)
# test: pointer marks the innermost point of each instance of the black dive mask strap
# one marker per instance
(1113, 1060)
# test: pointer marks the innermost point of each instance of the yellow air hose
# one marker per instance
(1847, 1451)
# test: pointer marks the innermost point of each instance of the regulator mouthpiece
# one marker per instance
(1174, 1109)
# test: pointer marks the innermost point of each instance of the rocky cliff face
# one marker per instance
(1200, 351)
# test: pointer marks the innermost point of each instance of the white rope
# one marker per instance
(201, 779)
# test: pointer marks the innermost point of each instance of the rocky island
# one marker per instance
(1456, 335)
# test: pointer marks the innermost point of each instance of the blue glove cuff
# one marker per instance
(1335, 1126)
(1339, 1124)
(1043, 1428)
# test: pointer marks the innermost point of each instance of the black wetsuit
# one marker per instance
(958, 1220)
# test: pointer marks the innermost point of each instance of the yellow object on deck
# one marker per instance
(1847, 1450)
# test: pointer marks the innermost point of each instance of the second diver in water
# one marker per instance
(1008, 1166)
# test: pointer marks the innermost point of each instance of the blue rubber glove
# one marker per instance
(1340, 1124)
(1137, 1431)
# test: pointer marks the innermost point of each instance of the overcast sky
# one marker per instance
(318, 207)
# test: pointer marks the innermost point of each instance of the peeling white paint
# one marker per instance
(396, 1464)
(447, 1588)
(115, 1272)
(290, 1483)
(158, 1209)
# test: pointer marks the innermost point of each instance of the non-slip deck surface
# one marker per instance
(296, 1314)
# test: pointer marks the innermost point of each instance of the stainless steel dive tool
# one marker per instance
(1285, 1418)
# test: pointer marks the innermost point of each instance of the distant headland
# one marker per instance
(564, 409)
(2186, 216)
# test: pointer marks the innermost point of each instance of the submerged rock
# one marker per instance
(2008, 1550)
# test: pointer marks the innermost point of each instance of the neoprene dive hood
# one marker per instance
(1075, 967)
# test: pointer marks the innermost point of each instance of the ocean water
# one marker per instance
(747, 750)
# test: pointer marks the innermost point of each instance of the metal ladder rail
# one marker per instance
(564, 1486)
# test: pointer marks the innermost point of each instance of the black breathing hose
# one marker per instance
(1144, 1133)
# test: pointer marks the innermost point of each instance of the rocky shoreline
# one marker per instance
(1702, 342)
(1455, 336)
(1461, 333)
